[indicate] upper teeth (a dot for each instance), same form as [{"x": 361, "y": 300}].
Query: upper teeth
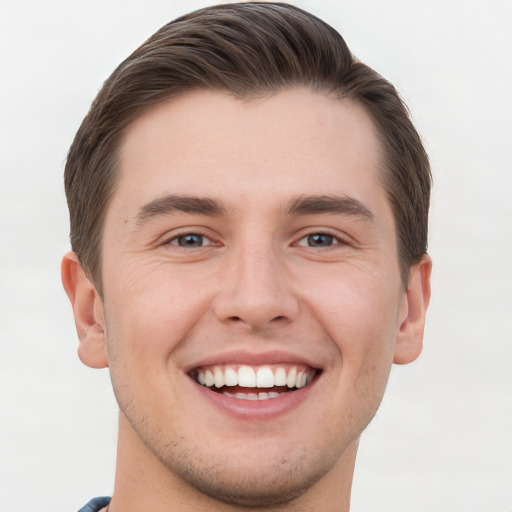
[{"x": 247, "y": 377}]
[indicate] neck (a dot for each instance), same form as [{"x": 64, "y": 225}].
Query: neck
[{"x": 143, "y": 483}]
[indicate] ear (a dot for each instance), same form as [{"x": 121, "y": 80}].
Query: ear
[
  {"x": 88, "y": 311},
  {"x": 409, "y": 342}
]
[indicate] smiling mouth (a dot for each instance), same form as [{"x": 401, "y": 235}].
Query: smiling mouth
[{"x": 246, "y": 382}]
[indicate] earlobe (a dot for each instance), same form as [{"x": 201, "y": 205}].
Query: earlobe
[
  {"x": 410, "y": 335},
  {"x": 87, "y": 310}
]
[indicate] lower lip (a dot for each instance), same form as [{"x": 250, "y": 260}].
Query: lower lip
[{"x": 256, "y": 409}]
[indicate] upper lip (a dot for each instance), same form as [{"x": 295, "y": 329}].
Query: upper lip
[{"x": 253, "y": 359}]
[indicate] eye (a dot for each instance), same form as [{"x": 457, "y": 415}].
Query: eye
[
  {"x": 319, "y": 240},
  {"x": 190, "y": 240}
]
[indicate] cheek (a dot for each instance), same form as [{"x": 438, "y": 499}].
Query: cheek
[
  {"x": 151, "y": 312},
  {"x": 359, "y": 316},
  {"x": 359, "y": 312}
]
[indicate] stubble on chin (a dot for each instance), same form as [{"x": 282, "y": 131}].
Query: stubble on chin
[{"x": 273, "y": 485}]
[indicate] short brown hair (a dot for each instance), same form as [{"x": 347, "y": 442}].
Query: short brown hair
[{"x": 247, "y": 50}]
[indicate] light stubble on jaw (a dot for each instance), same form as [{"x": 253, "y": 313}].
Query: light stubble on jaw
[
  {"x": 292, "y": 478},
  {"x": 254, "y": 492}
]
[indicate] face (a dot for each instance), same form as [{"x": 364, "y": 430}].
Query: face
[{"x": 252, "y": 296}]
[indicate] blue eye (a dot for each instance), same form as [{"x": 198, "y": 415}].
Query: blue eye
[
  {"x": 320, "y": 240},
  {"x": 189, "y": 240}
]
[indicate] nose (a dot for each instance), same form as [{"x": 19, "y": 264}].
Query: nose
[{"x": 257, "y": 289}]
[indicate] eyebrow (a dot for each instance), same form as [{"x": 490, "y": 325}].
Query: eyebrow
[
  {"x": 177, "y": 203},
  {"x": 302, "y": 205},
  {"x": 311, "y": 205}
]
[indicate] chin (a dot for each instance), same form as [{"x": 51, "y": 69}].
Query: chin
[
  {"x": 252, "y": 478},
  {"x": 277, "y": 484}
]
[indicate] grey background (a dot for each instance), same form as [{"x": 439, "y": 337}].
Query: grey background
[{"x": 442, "y": 438}]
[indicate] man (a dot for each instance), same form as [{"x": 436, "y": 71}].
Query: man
[{"x": 248, "y": 212}]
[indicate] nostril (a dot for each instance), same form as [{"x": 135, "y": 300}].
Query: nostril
[{"x": 240, "y": 319}]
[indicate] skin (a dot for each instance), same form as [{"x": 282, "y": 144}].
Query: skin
[{"x": 258, "y": 288}]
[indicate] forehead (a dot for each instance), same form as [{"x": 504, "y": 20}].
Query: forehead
[{"x": 208, "y": 143}]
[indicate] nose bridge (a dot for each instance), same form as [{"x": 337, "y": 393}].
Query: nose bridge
[{"x": 257, "y": 290}]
